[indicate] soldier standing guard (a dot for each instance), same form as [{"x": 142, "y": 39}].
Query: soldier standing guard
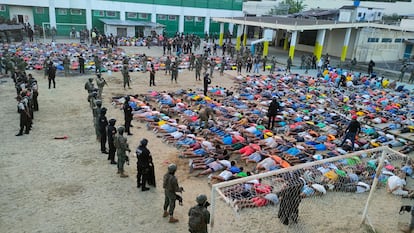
[
  {"x": 24, "y": 116},
  {"x": 96, "y": 112},
  {"x": 100, "y": 82},
  {"x": 122, "y": 147},
  {"x": 97, "y": 64},
  {"x": 127, "y": 116},
  {"x": 125, "y": 75},
  {"x": 103, "y": 123},
  {"x": 111, "y": 133},
  {"x": 170, "y": 185},
  {"x": 66, "y": 63}
]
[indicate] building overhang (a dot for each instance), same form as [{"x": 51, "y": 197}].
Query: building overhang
[{"x": 301, "y": 24}]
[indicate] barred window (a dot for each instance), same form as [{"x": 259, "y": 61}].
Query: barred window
[
  {"x": 162, "y": 17},
  {"x": 373, "y": 40},
  {"x": 111, "y": 13},
  {"x": 143, "y": 16},
  {"x": 62, "y": 12},
  {"x": 132, "y": 15},
  {"x": 99, "y": 13},
  {"x": 189, "y": 18},
  {"x": 199, "y": 19},
  {"x": 40, "y": 10},
  {"x": 172, "y": 17},
  {"x": 75, "y": 11}
]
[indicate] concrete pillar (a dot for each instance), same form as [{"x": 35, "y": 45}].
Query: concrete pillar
[
  {"x": 88, "y": 12},
  {"x": 221, "y": 34},
  {"x": 286, "y": 41},
  {"x": 245, "y": 35},
  {"x": 238, "y": 37},
  {"x": 231, "y": 28},
  {"x": 181, "y": 23},
  {"x": 346, "y": 43},
  {"x": 207, "y": 25},
  {"x": 122, "y": 15},
  {"x": 52, "y": 14},
  {"x": 320, "y": 39},
  {"x": 293, "y": 44},
  {"x": 265, "y": 48},
  {"x": 153, "y": 17},
  {"x": 88, "y": 18}
]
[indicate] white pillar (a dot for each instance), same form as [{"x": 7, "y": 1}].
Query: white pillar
[
  {"x": 238, "y": 37},
  {"x": 293, "y": 44},
  {"x": 88, "y": 18},
  {"x": 207, "y": 24},
  {"x": 320, "y": 39},
  {"x": 88, "y": 15},
  {"x": 122, "y": 14},
  {"x": 181, "y": 23},
  {"x": 52, "y": 13},
  {"x": 231, "y": 28},
  {"x": 154, "y": 17},
  {"x": 346, "y": 43}
]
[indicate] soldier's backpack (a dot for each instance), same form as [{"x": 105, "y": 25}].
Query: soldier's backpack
[{"x": 196, "y": 221}]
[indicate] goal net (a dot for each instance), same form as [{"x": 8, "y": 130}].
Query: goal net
[
  {"x": 340, "y": 194},
  {"x": 63, "y": 30}
]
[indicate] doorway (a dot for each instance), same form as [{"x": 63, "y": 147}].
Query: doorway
[
  {"x": 122, "y": 32},
  {"x": 20, "y": 19}
]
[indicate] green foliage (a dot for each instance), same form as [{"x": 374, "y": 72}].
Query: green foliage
[{"x": 295, "y": 6}]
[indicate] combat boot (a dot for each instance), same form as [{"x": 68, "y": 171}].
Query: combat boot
[
  {"x": 172, "y": 220},
  {"x": 123, "y": 175},
  {"x": 165, "y": 214},
  {"x": 119, "y": 171}
]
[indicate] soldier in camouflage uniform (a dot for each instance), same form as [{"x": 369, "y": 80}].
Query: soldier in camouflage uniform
[{"x": 122, "y": 147}]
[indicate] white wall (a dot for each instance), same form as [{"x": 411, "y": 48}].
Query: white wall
[
  {"x": 389, "y": 7},
  {"x": 27, "y": 13},
  {"x": 130, "y": 7},
  {"x": 380, "y": 51}
]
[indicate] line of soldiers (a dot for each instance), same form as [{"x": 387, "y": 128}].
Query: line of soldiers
[
  {"x": 105, "y": 130},
  {"x": 27, "y": 103}
]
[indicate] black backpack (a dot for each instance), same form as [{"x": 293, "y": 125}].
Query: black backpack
[{"x": 196, "y": 219}]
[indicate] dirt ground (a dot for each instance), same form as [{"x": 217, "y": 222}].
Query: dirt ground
[{"x": 49, "y": 185}]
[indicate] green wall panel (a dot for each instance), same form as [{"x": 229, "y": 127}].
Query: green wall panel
[
  {"x": 138, "y": 18},
  {"x": 97, "y": 23},
  {"x": 71, "y": 19},
  {"x": 194, "y": 27},
  {"x": 212, "y": 4},
  {"x": 171, "y": 26},
  {"x": 40, "y": 18},
  {"x": 6, "y": 13}
]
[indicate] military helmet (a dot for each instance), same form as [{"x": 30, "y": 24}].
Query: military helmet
[
  {"x": 90, "y": 79},
  {"x": 172, "y": 168},
  {"x": 98, "y": 102},
  {"x": 121, "y": 129},
  {"x": 104, "y": 110},
  {"x": 201, "y": 199},
  {"x": 112, "y": 121},
  {"x": 144, "y": 142}
]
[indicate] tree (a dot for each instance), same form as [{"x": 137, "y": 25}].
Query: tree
[
  {"x": 295, "y": 6},
  {"x": 281, "y": 9}
]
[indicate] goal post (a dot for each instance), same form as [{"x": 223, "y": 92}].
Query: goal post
[
  {"x": 62, "y": 29},
  {"x": 343, "y": 207}
]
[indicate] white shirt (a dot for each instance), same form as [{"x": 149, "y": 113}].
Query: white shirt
[{"x": 395, "y": 181}]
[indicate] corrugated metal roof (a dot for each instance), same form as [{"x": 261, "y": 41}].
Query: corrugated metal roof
[{"x": 118, "y": 22}]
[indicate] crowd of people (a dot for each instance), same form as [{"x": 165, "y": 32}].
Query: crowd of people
[{"x": 220, "y": 129}]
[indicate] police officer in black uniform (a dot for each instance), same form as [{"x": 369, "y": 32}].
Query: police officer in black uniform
[
  {"x": 144, "y": 163},
  {"x": 111, "y": 131},
  {"x": 103, "y": 122},
  {"x": 127, "y": 116}
]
